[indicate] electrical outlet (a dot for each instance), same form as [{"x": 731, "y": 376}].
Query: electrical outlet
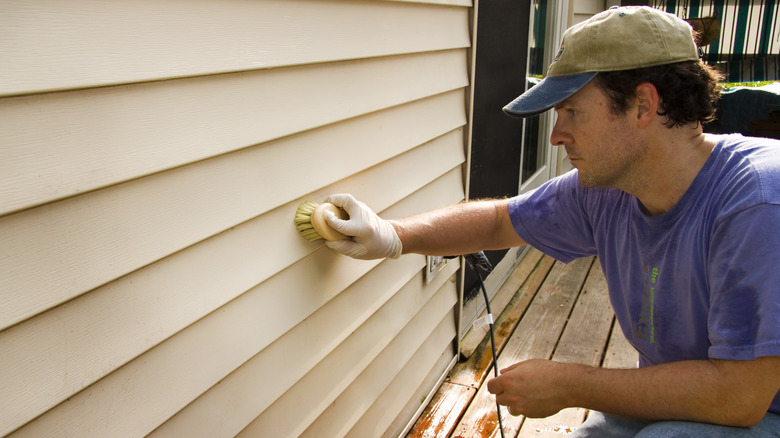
[{"x": 433, "y": 265}]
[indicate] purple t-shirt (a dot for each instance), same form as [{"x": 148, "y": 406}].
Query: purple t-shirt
[{"x": 699, "y": 281}]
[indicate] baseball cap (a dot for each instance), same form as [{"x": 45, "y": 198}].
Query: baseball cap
[{"x": 620, "y": 38}]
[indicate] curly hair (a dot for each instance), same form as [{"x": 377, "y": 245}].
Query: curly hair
[{"x": 689, "y": 90}]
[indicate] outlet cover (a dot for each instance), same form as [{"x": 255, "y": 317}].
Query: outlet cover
[{"x": 433, "y": 265}]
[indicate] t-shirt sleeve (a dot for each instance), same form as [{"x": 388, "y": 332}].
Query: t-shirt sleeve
[
  {"x": 553, "y": 219},
  {"x": 744, "y": 319}
]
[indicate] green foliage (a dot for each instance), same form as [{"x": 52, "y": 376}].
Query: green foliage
[{"x": 727, "y": 86}]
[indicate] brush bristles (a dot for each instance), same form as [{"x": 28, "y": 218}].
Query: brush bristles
[{"x": 303, "y": 220}]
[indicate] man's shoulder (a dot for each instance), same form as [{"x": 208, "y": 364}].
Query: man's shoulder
[
  {"x": 763, "y": 153},
  {"x": 747, "y": 171},
  {"x": 759, "y": 156}
]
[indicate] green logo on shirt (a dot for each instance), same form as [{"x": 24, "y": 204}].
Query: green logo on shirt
[{"x": 645, "y": 326}]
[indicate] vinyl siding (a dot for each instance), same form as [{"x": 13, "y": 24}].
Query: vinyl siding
[{"x": 154, "y": 153}]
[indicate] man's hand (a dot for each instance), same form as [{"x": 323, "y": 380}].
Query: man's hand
[
  {"x": 532, "y": 388},
  {"x": 370, "y": 237}
]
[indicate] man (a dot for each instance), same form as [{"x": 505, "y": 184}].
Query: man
[{"x": 684, "y": 223}]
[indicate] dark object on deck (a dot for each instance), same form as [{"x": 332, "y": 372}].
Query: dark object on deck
[
  {"x": 752, "y": 111},
  {"x": 769, "y": 127}
]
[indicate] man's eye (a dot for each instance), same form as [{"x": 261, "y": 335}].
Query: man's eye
[{"x": 572, "y": 111}]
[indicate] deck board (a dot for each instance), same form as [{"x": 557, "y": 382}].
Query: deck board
[
  {"x": 620, "y": 354},
  {"x": 583, "y": 341},
  {"x": 474, "y": 370},
  {"x": 504, "y": 297},
  {"x": 560, "y": 312}
]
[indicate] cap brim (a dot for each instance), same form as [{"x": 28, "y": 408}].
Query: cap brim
[{"x": 547, "y": 93}]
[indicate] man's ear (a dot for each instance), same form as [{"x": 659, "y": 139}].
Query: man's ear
[{"x": 647, "y": 103}]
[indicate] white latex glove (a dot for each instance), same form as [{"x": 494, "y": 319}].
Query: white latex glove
[{"x": 371, "y": 237}]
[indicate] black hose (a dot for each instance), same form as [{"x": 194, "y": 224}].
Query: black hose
[{"x": 478, "y": 261}]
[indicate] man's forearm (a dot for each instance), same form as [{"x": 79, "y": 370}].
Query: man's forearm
[
  {"x": 458, "y": 229},
  {"x": 736, "y": 393}
]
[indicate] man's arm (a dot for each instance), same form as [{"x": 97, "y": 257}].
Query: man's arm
[
  {"x": 459, "y": 229},
  {"x": 735, "y": 393}
]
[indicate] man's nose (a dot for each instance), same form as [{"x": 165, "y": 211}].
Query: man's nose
[{"x": 558, "y": 137}]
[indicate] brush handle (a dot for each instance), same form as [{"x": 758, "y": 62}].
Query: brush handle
[{"x": 322, "y": 227}]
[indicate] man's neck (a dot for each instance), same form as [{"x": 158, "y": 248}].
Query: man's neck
[{"x": 675, "y": 160}]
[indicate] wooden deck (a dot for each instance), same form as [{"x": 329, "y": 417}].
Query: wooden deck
[{"x": 555, "y": 311}]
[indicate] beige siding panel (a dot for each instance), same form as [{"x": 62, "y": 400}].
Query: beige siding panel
[
  {"x": 420, "y": 342},
  {"x": 51, "y": 357},
  {"x": 590, "y": 7},
  {"x": 372, "y": 344},
  {"x": 58, "y": 145},
  {"x": 439, "y": 2},
  {"x": 153, "y": 155},
  {"x": 63, "y": 249},
  {"x": 584, "y": 9},
  {"x": 54, "y": 45},
  {"x": 396, "y": 392},
  {"x": 136, "y": 398},
  {"x": 130, "y": 402},
  {"x": 238, "y": 398},
  {"x": 408, "y": 414}
]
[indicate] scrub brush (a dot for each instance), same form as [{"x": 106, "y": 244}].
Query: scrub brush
[{"x": 310, "y": 221}]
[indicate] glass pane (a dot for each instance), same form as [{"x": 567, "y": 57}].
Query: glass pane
[{"x": 534, "y": 144}]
